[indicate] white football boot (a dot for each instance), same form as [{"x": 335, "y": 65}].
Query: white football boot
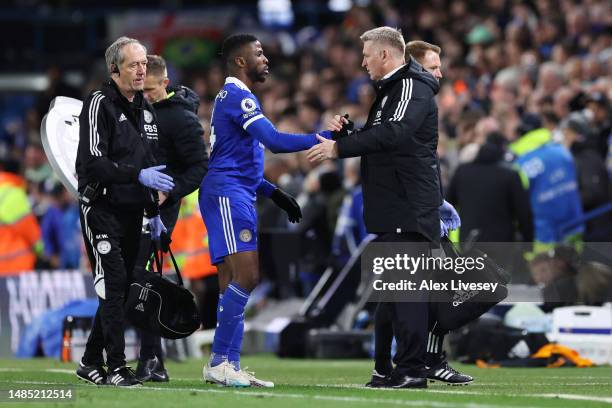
[
  {"x": 224, "y": 374},
  {"x": 254, "y": 381}
]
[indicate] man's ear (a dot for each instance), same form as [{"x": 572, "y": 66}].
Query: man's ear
[
  {"x": 384, "y": 54},
  {"x": 165, "y": 82},
  {"x": 240, "y": 62}
]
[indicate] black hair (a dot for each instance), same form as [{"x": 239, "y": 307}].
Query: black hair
[{"x": 233, "y": 43}]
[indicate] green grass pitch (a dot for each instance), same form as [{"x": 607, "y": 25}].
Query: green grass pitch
[{"x": 319, "y": 384}]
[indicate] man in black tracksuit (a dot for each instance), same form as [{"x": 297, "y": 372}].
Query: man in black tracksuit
[
  {"x": 400, "y": 179},
  {"x": 181, "y": 147},
  {"x": 116, "y": 175}
]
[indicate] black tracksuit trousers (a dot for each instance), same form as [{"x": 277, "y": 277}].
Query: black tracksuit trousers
[
  {"x": 112, "y": 237},
  {"x": 408, "y": 321}
]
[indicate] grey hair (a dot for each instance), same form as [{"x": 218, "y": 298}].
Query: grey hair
[
  {"x": 113, "y": 54},
  {"x": 386, "y": 35}
]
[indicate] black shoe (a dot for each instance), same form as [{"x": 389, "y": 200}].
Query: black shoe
[
  {"x": 93, "y": 374},
  {"x": 152, "y": 369},
  {"x": 123, "y": 377},
  {"x": 377, "y": 381},
  {"x": 405, "y": 381},
  {"x": 445, "y": 373}
]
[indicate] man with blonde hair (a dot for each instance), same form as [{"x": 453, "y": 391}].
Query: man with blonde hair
[
  {"x": 426, "y": 54},
  {"x": 401, "y": 185}
]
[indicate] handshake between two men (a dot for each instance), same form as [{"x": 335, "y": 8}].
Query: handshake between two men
[{"x": 327, "y": 149}]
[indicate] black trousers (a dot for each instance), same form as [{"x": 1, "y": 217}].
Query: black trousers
[
  {"x": 408, "y": 321},
  {"x": 150, "y": 344},
  {"x": 383, "y": 335},
  {"x": 111, "y": 238}
]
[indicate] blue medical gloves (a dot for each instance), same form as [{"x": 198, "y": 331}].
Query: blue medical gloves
[
  {"x": 443, "y": 229},
  {"x": 152, "y": 177},
  {"x": 157, "y": 227},
  {"x": 449, "y": 216}
]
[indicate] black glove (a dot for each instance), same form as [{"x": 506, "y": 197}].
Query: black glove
[
  {"x": 287, "y": 203},
  {"x": 347, "y": 128}
]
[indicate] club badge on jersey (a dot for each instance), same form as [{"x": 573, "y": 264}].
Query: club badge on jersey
[{"x": 150, "y": 128}]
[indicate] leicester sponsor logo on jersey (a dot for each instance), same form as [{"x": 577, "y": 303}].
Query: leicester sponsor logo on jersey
[{"x": 248, "y": 105}]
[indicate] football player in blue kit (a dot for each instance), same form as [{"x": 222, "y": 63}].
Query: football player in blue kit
[{"x": 239, "y": 134}]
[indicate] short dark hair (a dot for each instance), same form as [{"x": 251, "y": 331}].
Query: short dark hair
[
  {"x": 417, "y": 49},
  {"x": 233, "y": 43},
  {"x": 156, "y": 65}
]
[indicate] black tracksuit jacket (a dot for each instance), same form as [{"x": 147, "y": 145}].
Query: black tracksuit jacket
[
  {"x": 117, "y": 139},
  {"x": 181, "y": 142},
  {"x": 399, "y": 164}
]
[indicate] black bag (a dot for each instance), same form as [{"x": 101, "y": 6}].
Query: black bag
[
  {"x": 489, "y": 340},
  {"x": 457, "y": 307},
  {"x": 159, "y": 306}
]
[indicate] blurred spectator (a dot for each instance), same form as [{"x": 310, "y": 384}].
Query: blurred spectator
[
  {"x": 57, "y": 86},
  {"x": 19, "y": 230},
  {"x": 350, "y": 228},
  {"x": 496, "y": 207},
  {"x": 61, "y": 229},
  {"x": 598, "y": 109},
  {"x": 553, "y": 186},
  {"x": 592, "y": 175},
  {"x": 320, "y": 204},
  {"x": 566, "y": 279}
]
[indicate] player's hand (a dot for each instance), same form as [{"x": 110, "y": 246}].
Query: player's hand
[
  {"x": 152, "y": 177},
  {"x": 326, "y": 149},
  {"x": 449, "y": 215},
  {"x": 443, "y": 229},
  {"x": 287, "y": 203},
  {"x": 157, "y": 227},
  {"x": 335, "y": 124}
]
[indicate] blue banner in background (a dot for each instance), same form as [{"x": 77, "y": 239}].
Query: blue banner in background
[{"x": 26, "y": 296}]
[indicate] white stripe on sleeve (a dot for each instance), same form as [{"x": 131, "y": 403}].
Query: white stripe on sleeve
[
  {"x": 94, "y": 137},
  {"x": 253, "y": 119},
  {"x": 400, "y": 110}
]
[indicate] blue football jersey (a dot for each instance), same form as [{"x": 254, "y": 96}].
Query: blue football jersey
[{"x": 236, "y": 161}]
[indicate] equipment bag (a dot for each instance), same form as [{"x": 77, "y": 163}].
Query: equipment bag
[
  {"x": 160, "y": 306},
  {"x": 456, "y": 307}
]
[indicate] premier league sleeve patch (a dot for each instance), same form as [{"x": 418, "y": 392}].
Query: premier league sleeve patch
[{"x": 248, "y": 105}]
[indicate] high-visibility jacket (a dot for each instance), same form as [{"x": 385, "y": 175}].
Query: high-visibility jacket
[
  {"x": 190, "y": 240},
  {"x": 19, "y": 229},
  {"x": 553, "y": 185}
]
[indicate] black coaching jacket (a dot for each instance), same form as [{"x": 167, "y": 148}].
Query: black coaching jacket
[
  {"x": 117, "y": 139},
  {"x": 181, "y": 141},
  {"x": 399, "y": 165}
]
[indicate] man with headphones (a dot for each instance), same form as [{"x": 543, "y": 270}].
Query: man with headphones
[{"x": 118, "y": 183}]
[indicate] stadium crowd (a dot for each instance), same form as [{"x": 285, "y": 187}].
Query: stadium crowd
[{"x": 509, "y": 68}]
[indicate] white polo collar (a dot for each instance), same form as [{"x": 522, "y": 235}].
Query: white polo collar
[
  {"x": 237, "y": 82},
  {"x": 393, "y": 72}
]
